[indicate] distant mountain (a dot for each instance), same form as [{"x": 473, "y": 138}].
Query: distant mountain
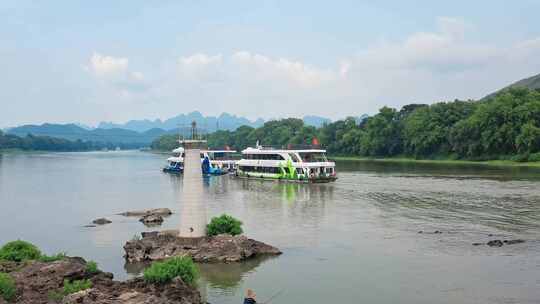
[
  {"x": 531, "y": 83},
  {"x": 208, "y": 123},
  {"x": 74, "y": 132},
  {"x": 361, "y": 118},
  {"x": 316, "y": 121}
]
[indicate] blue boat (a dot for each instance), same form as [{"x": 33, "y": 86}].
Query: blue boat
[{"x": 213, "y": 162}]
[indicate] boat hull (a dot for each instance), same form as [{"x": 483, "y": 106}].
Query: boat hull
[{"x": 320, "y": 180}]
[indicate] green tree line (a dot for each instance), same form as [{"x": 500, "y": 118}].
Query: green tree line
[
  {"x": 46, "y": 143},
  {"x": 505, "y": 126}
]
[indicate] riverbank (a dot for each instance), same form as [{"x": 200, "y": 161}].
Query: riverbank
[{"x": 404, "y": 160}]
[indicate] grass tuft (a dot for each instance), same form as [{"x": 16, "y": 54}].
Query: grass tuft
[
  {"x": 75, "y": 286},
  {"x": 7, "y": 287},
  {"x": 92, "y": 267},
  {"x": 166, "y": 271},
  {"x": 53, "y": 258}
]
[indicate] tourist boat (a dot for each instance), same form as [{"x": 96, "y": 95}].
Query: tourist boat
[
  {"x": 308, "y": 165},
  {"x": 213, "y": 161}
]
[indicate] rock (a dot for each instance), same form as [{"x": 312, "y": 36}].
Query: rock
[
  {"x": 511, "y": 242},
  {"x": 37, "y": 280},
  {"x": 151, "y": 219},
  {"x": 9, "y": 266},
  {"x": 477, "y": 244},
  {"x": 495, "y": 243},
  {"x": 90, "y": 226},
  {"x": 434, "y": 232},
  {"x": 221, "y": 248},
  {"x": 157, "y": 211},
  {"x": 101, "y": 221}
]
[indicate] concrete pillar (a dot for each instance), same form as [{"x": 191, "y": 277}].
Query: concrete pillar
[{"x": 193, "y": 210}]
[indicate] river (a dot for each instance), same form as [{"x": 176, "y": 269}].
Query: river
[{"x": 353, "y": 241}]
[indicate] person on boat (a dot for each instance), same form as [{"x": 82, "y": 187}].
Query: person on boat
[{"x": 250, "y": 297}]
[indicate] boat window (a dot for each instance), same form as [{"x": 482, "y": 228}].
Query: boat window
[
  {"x": 265, "y": 156},
  {"x": 294, "y": 157},
  {"x": 313, "y": 157},
  {"x": 183, "y": 155},
  {"x": 299, "y": 171}
]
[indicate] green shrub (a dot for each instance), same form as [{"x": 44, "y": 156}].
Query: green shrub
[
  {"x": 520, "y": 158},
  {"x": 224, "y": 224},
  {"x": 7, "y": 287},
  {"x": 18, "y": 251},
  {"x": 75, "y": 286},
  {"x": 91, "y": 267},
  {"x": 55, "y": 296},
  {"x": 164, "y": 272},
  {"x": 52, "y": 258},
  {"x": 534, "y": 157}
]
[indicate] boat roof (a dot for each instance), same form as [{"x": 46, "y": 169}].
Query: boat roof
[
  {"x": 181, "y": 149},
  {"x": 219, "y": 151},
  {"x": 271, "y": 151}
]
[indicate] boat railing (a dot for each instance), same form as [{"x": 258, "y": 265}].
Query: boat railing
[{"x": 291, "y": 147}]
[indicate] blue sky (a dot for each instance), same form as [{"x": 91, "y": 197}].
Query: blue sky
[{"x": 91, "y": 61}]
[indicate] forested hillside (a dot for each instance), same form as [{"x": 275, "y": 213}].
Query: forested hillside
[
  {"x": 505, "y": 126},
  {"x": 46, "y": 143}
]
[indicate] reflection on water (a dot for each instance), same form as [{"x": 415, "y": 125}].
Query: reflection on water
[
  {"x": 440, "y": 170},
  {"x": 216, "y": 279},
  {"x": 355, "y": 240}
]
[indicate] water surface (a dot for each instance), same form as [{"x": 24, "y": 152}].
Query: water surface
[{"x": 353, "y": 241}]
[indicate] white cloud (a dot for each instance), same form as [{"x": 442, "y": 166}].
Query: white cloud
[
  {"x": 297, "y": 72},
  {"x": 427, "y": 66},
  {"x": 199, "y": 60},
  {"x": 114, "y": 72},
  {"x": 102, "y": 65}
]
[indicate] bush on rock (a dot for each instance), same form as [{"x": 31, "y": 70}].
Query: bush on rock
[
  {"x": 224, "y": 224},
  {"x": 19, "y": 251},
  {"x": 166, "y": 271}
]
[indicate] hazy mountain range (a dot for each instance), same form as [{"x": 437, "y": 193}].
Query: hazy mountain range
[
  {"x": 143, "y": 132},
  {"x": 531, "y": 83},
  {"x": 225, "y": 121}
]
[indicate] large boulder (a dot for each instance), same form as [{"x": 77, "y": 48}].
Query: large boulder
[{"x": 221, "y": 248}]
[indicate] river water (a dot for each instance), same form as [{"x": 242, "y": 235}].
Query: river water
[{"x": 353, "y": 241}]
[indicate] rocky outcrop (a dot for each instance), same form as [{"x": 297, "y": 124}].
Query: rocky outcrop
[
  {"x": 36, "y": 281},
  {"x": 499, "y": 243},
  {"x": 101, "y": 221},
  {"x": 151, "y": 220},
  {"x": 221, "y": 248},
  {"x": 157, "y": 211}
]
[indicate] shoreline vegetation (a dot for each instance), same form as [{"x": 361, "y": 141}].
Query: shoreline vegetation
[
  {"x": 406, "y": 160},
  {"x": 499, "y": 130},
  {"x": 502, "y": 130}
]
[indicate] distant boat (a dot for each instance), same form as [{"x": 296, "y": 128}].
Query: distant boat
[
  {"x": 214, "y": 162},
  {"x": 308, "y": 165}
]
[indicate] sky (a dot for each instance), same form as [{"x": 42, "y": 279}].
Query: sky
[{"x": 92, "y": 61}]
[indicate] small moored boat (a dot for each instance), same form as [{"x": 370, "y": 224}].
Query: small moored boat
[{"x": 213, "y": 161}]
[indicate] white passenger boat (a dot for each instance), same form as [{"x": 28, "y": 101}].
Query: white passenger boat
[
  {"x": 300, "y": 165},
  {"x": 219, "y": 161}
]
